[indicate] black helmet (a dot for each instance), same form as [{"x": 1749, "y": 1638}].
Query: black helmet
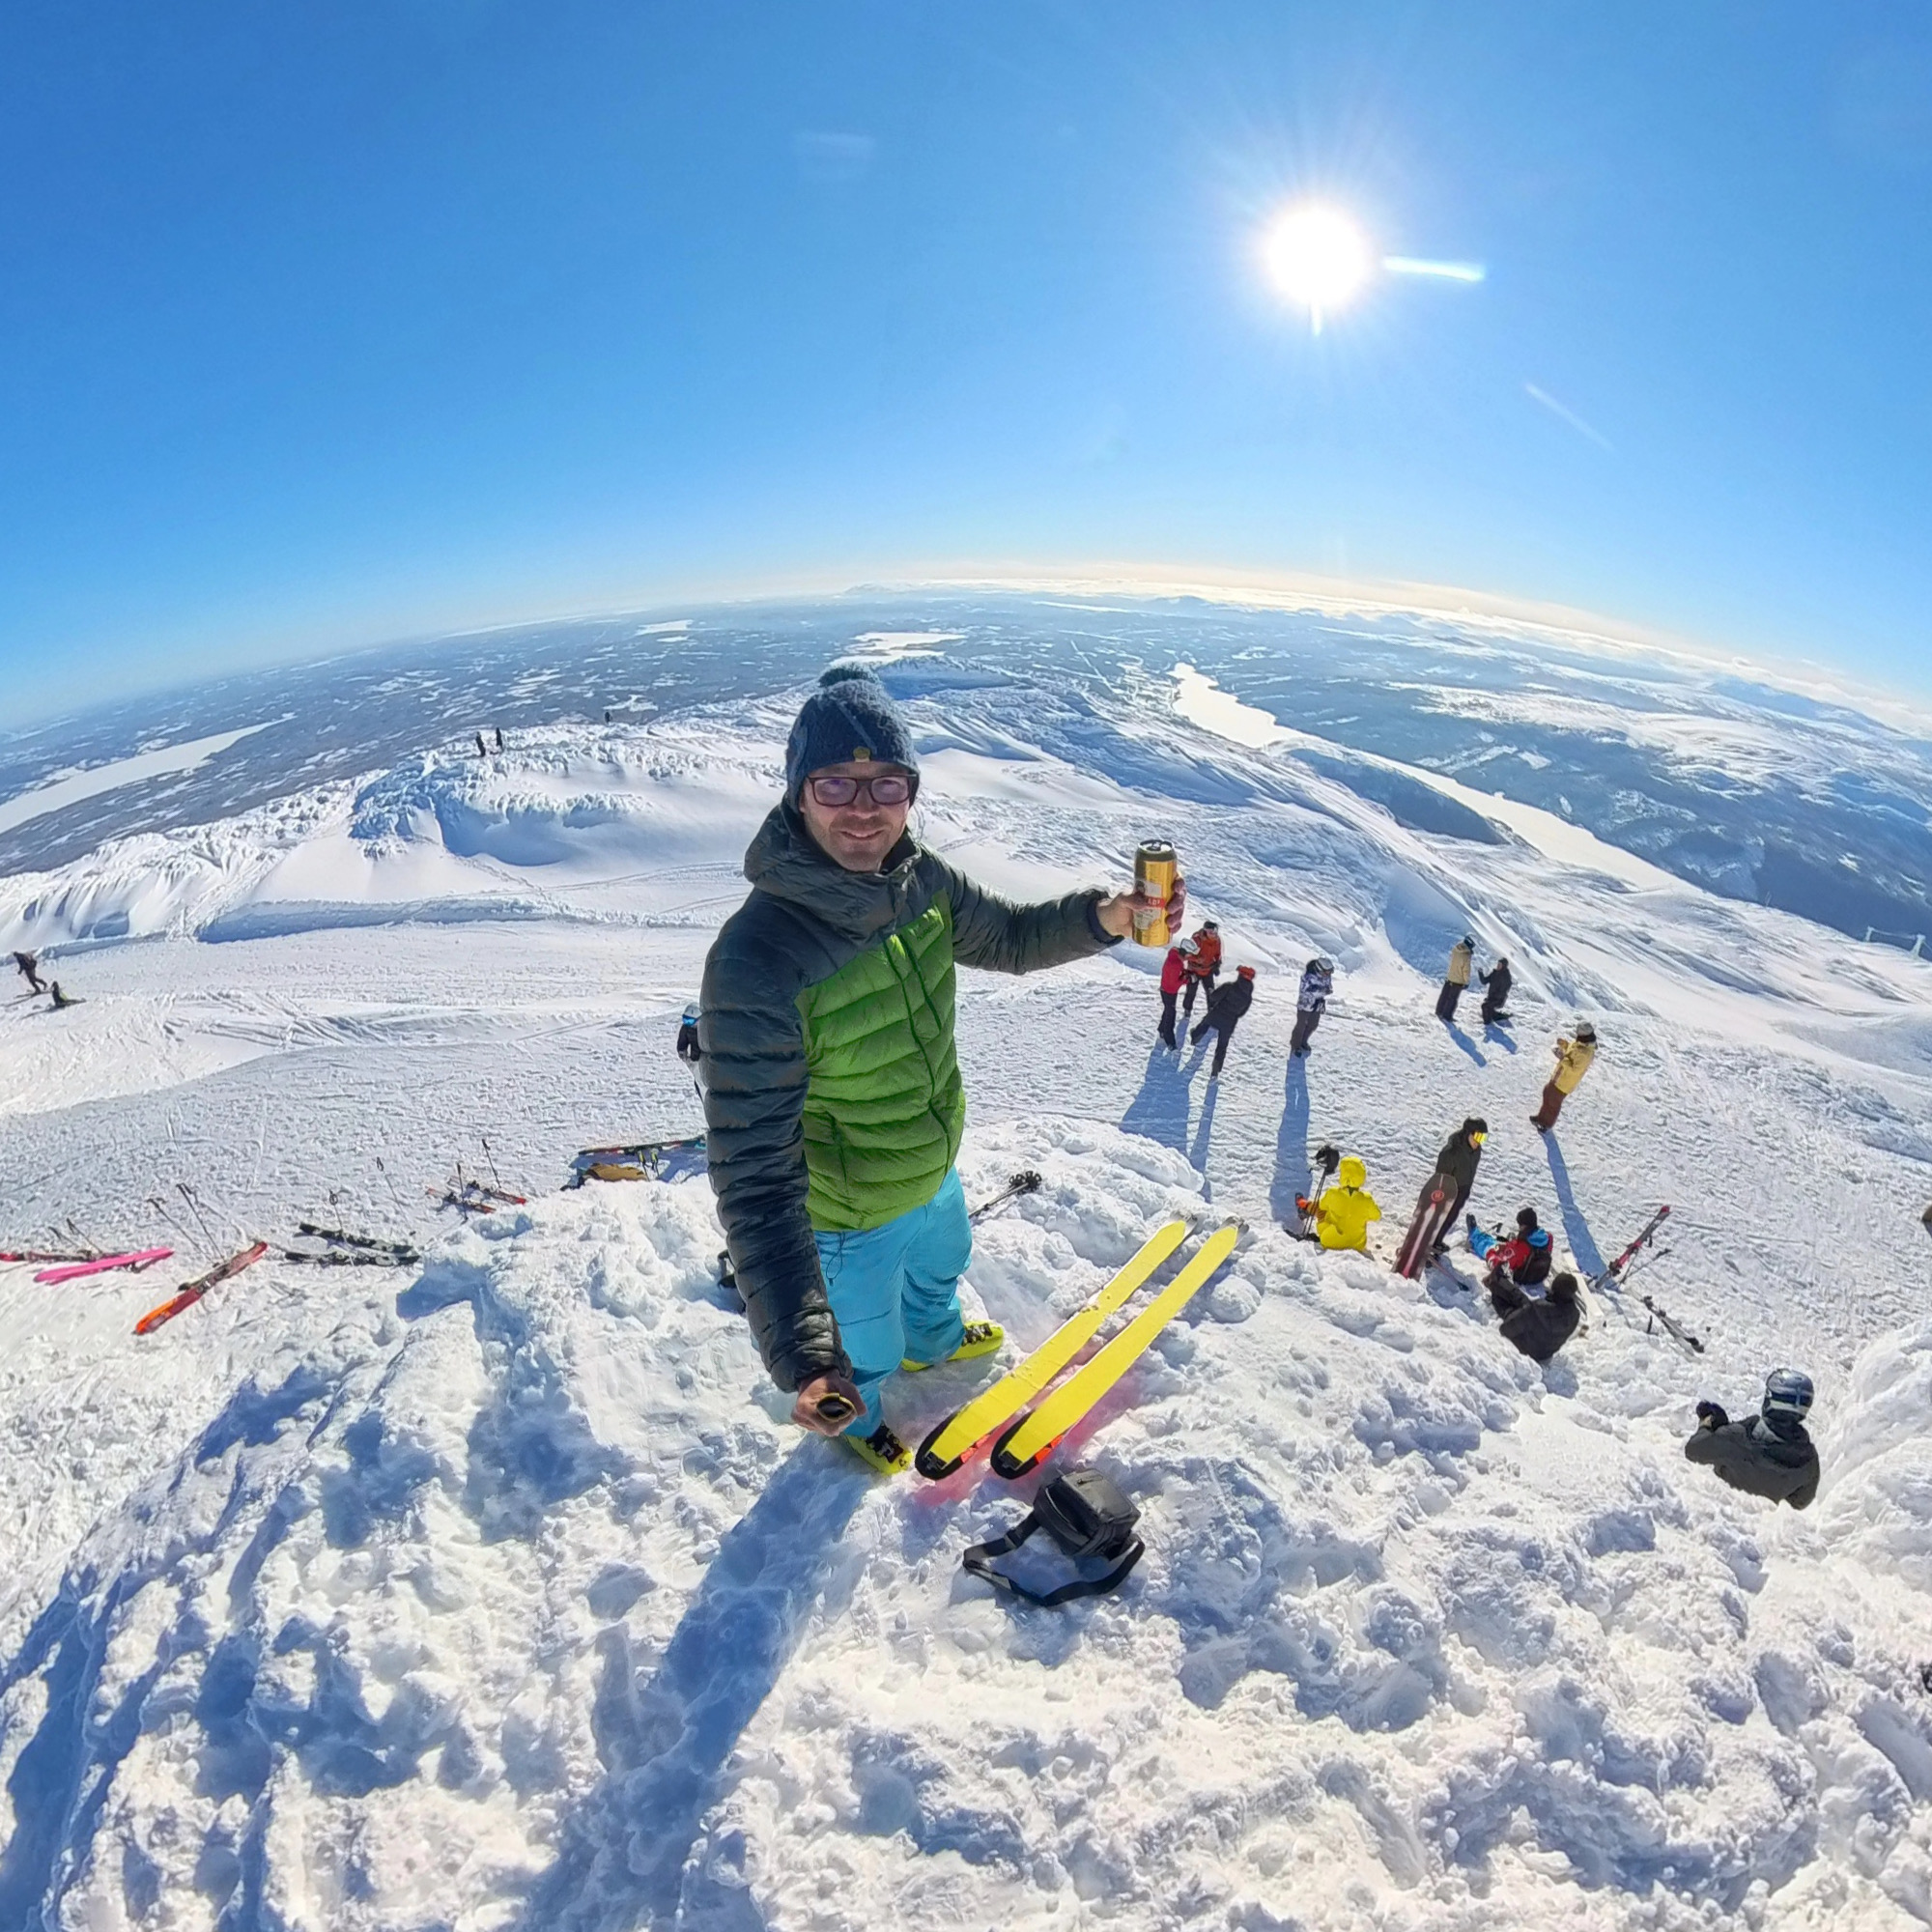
[{"x": 1526, "y": 1220}]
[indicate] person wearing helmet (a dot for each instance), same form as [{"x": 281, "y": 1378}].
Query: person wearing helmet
[
  {"x": 1537, "y": 1325},
  {"x": 1769, "y": 1454},
  {"x": 1573, "y": 1054},
  {"x": 1318, "y": 982},
  {"x": 1225, "y": 1005},
  {"x": 688, "y": 1049},
  {"x": 1203, "y": 965},
  {"x": 1462, "y": 957},
  {"x": 1523, "y": 1259},
  {"x": 1172, "y": 971},
  {"x": 1343, "y": 1216},
  {"x": 1496, "y": 985}
]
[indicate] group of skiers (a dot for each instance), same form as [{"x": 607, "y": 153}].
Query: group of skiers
[
  {"x": 29, "y": 965},
  {"x": 835, "y": 1108}
]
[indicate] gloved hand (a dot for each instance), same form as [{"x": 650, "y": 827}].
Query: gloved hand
[{"x": 1711, "y": 1415}]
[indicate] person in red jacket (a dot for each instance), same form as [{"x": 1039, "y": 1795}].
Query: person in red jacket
[
  {"x": 1172, "y": 971},
  {"x": 1203, "y": 966}
]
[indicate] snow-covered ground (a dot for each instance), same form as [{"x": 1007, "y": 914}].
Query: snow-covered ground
[{"x": 498, "y": 1592}]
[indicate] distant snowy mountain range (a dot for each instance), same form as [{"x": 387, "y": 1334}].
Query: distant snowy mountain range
[{"x": 1729, "y": 781}]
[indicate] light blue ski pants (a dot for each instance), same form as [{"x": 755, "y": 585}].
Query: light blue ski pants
[{"x": 895, "y": 1292}]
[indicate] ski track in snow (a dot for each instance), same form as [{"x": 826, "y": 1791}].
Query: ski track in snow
[{"x": 498, "y": 1592}]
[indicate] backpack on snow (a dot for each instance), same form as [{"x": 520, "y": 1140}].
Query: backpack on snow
[{"x": 1086, "y": 1514}]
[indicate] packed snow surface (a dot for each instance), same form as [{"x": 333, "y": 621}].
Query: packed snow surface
[{"x": 498, "y": 1592}]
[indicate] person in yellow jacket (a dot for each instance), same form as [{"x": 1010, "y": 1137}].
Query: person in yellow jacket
[
  {"x": 1342, "y": 1220},
  {"x": 1573, "y": 1061},
  {"x": 1456, "y": 982}
]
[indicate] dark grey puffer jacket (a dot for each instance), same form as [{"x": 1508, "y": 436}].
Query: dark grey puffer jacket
[
  {"x": 807, "y": 919},
  {"x": 1753, "y": 1456}
]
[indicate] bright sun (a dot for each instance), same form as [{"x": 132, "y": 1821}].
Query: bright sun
[{"x": 1318, "y": 258}]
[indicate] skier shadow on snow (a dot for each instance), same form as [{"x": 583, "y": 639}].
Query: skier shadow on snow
[
  {"x": 1159, "y": 1110},
  {"x": 1292, "y": 1175},
  {"x": 1583, "y": 1248},
  {"x": 1494, "y": 1036},
  {"x": 665, "y": 1742},
  {"x": 1464, "y": 1041},
  {"x": 1198, "y": 1152}
]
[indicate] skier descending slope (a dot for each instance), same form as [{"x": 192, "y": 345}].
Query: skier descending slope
[
  {"x": 1318, "y": 982},
  {"x": 1770, "y": 1454},
  {"x": 832, "y": 1099}
]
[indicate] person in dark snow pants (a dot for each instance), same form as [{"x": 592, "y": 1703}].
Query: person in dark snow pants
[
  {"x": 1496, "y": 985},
  {"x": 1172, "y": 973},
  {"x": 1769, "y": 1454},
  {"x": 1226, "y": 1004},
  {"x": 1318, "y": 982},
  {"x": 1456, "y": 982},
  {"x": 1538, "y": 1326}
]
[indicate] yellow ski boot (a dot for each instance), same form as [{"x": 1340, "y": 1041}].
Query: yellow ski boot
[
  {"x": 981, "y": 1338},
  {"x": 882, "y": 1449}
]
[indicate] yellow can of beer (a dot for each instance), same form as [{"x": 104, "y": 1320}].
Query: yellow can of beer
[{"x": 1155, "y": 868}]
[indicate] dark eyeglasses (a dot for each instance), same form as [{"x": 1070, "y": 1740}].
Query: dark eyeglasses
[{"x": 888, "y": 788}]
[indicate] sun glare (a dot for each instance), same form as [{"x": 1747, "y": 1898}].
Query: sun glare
[{"x": 1318, "y": 258}]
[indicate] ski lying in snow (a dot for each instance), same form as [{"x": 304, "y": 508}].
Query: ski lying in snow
[
  {"x": 341, "y": 1238},
  {"x": 191, "y": 1292},
  {"x": 133, "y": 1261},
  {"x": 39, "y": 1255},
  {"x": 1054, "y": 1414},
  {"x": 348, "y": 1258},
  {"x": 641, "y": 1160},
  {"x": 1643, "y": 1239},
  {"x": 471, "y": 1196},
  {"x": 1677, "y": 1333},
  {"x": 1026, "y": 1182},
  {"x": 949, "y": 1445}
]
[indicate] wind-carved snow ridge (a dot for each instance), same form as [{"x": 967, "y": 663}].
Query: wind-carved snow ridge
[{"x": 505, "y": 1604}]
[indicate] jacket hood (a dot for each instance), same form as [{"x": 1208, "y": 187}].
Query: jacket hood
[
  {"x": 1351, "y": 1172},
  {"x": 1539, "y": 1237},
  {"x": 784, "y": 860}
]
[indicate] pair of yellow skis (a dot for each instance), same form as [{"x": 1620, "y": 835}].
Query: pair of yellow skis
[{"x": 1026, "y": 1440}]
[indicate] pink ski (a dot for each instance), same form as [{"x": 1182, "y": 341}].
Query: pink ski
[{"x": 135, "y": 1262}]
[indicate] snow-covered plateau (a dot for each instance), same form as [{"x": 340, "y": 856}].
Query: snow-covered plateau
[{"x": 498, "y": 1592}]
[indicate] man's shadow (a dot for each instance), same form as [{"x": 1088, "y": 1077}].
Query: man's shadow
[
  {"x": 1198, "y": 1152},
  {"x": 1159, "y": 1110},
  {"x": 1292, "y": 1175},
  {"x": 665, "y": 1742},
  {"x": 1467, "y": 1044},
  {"x": 1495, "y": 1034},
  {"x": 1576, "y": 1230}
]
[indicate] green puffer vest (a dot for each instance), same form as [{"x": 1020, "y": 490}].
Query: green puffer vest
[{"x": 885, "y": 1108}]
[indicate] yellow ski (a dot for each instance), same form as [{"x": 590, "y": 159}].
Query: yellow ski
[
  {"x": 1042, "y": 1426},
  {"x": 953, "y": 1440}
]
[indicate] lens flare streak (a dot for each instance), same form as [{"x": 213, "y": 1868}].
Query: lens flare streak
[{"x": 1442, "y": 272}]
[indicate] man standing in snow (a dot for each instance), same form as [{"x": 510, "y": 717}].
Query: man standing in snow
[
  {"x": 1318, "y": 982},
  {"x": 1202, "y": 965},
  {"x": 1496, "y": 985},
  {"x": 1226, "y": 1004},
  {"x": 1770, "y": 1454},
  {"x": 832, "y": 1100},
  {"x": 30, "y": 971},
  {"x": 1173, "y": 971},
  {"x": 1573, "y": 1061},
  {"x": 1461, "y": 957}
]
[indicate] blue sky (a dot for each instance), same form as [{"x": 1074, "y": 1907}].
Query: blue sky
[{"x": 325, "y": 324}]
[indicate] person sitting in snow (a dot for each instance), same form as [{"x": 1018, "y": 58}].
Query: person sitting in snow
[
  {"x": 1537, "y": 1325},
  {"x": 60, "y": 999},
  {"x": 1343, "y": 1214},
  {"x": 1172, "y": 971},
  {"x": 1318, "y": 982},
  {"x": 1496, "y": 985},
  {"x": 1203, "y": 966},
  {"x": 1523, "y": 1259},
  {"x": 833, "y": 1101},
  {"x": 1769, "y": 1454},
  {"x": 1226, "y": 1006}
]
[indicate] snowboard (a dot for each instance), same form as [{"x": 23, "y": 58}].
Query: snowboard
[{"x": 1430, "y": 1224}]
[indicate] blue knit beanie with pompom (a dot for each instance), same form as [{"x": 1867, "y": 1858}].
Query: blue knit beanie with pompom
[{"x": 849, "y": 719}]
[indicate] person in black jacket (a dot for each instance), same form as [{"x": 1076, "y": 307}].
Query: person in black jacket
[
  {"x": 1538, "y": 1326},
  {"x": 1496, "y": 983},
  {"x": 30, "y": 971},
  {"x": 1769, "y": 1454},
  {"x": 1225, "y": 1005}
]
